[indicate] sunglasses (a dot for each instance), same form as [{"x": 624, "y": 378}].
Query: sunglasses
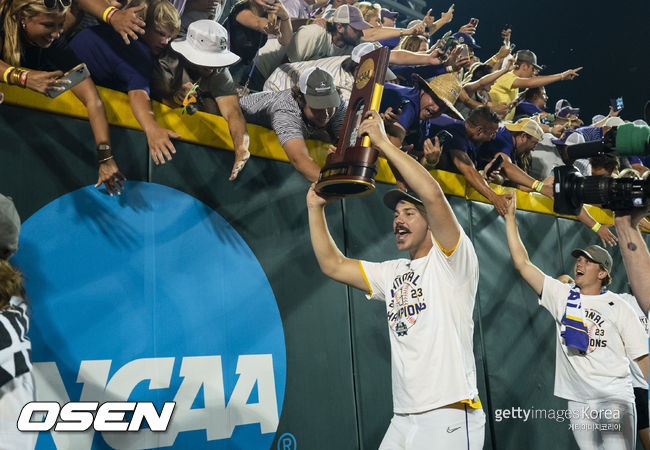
[{"x": 52, "y": 4}]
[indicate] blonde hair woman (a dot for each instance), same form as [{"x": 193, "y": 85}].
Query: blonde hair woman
[
  {"x": 31, "y": 38},
  {"x": 371, "y": 12}
]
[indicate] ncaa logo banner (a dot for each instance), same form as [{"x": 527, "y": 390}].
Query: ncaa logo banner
[{"x": 153, "y": 305}]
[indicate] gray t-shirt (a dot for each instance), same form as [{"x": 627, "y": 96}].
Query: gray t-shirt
[
  {"x": 281, "y": 113},
  {"x": 170, "y": 74},
  {"x": 314, "y": 42}
]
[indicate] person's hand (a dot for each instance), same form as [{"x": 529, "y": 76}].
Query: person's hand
[
  {"x": 428, "y": 20},
  {"x": 128, "y": 24},
  {"x": 272, "y": 27},
  {"x": 570, "y": 74},
  {"x": 606, "y": 236},
  {"x": 390, "y": 115},
  {"x": 502, "y": 203},
  {"x": 160, "y": 145},
  {"x": 511, "y": 204},
  {"x": 111, "y": 176},
  {"x": 241, "y": 156},
  {"x": 432, "y": 152},
  {"x": 417, "y": 30},
  {"x": 456, "y": 61},
  {"x": 315, "y": 200},
  {"x": 501, "y": 108},
  {"x": 435, "y": 57},
  {"x": 510, "y": 64},
  {"x": 503, "y": 52},
  {"x": 279, "y": 11},
  {"x": 181, "y": 93},
  {"x": 557, "y": 130},
  {"x": 468, "y": 28},
  {"x": 373, "y": 127},
  {"x": 446, "y": 17},
  {"x": 613, "y": 112},
  {"x": 43, "y": 82}
]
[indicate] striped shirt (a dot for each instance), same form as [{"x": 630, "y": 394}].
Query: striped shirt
[
  {"x": 281, "y": 113},
  {"x": 286, "y": 76}
]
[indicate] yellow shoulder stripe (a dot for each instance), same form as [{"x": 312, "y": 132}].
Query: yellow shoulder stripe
[{"x": 365, "y": 278}]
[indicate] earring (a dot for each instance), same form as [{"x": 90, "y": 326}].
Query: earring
[{"x": 23, "y": 25}]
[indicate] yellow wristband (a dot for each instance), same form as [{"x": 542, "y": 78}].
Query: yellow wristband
[
  {"x": 6, "y": 74},
  {"x": 534, "y": 185},
  {"x": 106, "y": 11},
  {"x": 596, "y": 227},
  {"x": 494, "y": 59}
]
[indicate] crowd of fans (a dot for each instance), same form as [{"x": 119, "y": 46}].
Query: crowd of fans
[
  {"x": 289, "y": 66},
  {"x": 258, "y": 66}
]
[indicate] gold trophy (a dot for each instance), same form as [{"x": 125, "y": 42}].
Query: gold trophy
[{"x": 352, "y": 168}]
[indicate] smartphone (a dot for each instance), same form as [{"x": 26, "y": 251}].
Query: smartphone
[
  {"x": 473, "y": 21},
  {"x": 496, "y": 165},
  {"x": 616, "y": 103},
  {"x": 76, "y": 75},
  {"x": 398, "y": 108},
  {"x": 512, "y": 46},
  {"x": 464, "y": 51},
  {"x": 443, "y": 137}
]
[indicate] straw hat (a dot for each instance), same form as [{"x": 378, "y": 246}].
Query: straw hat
[{"x": 445, "y": 88}]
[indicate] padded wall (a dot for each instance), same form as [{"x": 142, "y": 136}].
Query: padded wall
[{"x": 337, "y": 379}]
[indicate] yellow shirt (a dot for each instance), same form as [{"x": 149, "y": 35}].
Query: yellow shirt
[{"x": 503, "y": 92}]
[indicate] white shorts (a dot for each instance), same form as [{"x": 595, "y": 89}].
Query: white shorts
[
  {"x": 442, "y": 428},
  {"x": 598, "y": 425}
]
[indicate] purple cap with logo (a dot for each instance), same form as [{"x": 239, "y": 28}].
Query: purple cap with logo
[
  {"x": 464, "y": 38},
  {"x": 566, "y": 110}
]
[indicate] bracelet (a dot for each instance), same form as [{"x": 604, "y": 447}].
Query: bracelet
[
  {"x": 106, "y": 12},
  {"x": 23, "y": 79},
  {"x": 105, "y": 159},
  {"x": 4, "y": 76},
  {"x": 14, "y": 76},
  {"x": 309, "y": 21},
  {"x": 104, "y": 152},
  {"x": 596, "y": 227},
  {"x": 539, "y": 186},
  {"x": 449, "y": 69},
  {"x": 494, "y": 59},
  {"x": 534, "y": 185},
  {"x": 110, "y": 15}
]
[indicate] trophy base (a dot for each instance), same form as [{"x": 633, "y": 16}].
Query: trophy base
[{"x": 346, "y": 179}]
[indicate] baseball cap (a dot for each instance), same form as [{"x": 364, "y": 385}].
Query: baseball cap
[
  {"x": 528, "y": 57},
  {"x": 528, "y": 126},
  {"x": 388, "y": 14},
  {"x": 597, "y": 118},
  {"x": 351, "y": 15},
  {"x": 566, "y": 110},
  {"x": 445, "y": 88},
  {"x": 9, "y": 227},
  {"x": 614, "y": 122},
  {"x": 206, "y": 44},
  {"x": 597, "y": 254},
  {"x": 464, "y": 38},
  {"x": 318, "y": 87},
  {"x": 394, "y": 196},
  {"x": 569, "y": 138},
  {"x": 561, "y": 103},
  {"x": 363, "y": 49},
  {"x": 640, "y": 122}
]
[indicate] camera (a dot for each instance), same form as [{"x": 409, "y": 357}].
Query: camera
[{"x": 571, "y": 190}]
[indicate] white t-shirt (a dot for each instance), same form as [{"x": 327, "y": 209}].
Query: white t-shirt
[
  {"x": 429, "y": 305},
  {"x": 615, "y": 337},
  {"x": 638, "y": 380}
]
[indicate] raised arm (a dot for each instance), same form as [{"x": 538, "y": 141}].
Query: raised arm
[
  {"x": 330, "y": 259},
  {"x": 525, "y": 83},
  {"x": 636, "y": 258},
  {"x": 530, "y": 273},
  {"x": 231, "y": 111},
  {"x": 126, "y": 22},
  {"x": 441, "y": 219}
]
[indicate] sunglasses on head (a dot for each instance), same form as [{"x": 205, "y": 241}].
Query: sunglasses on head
[{"x": 52, "y": 4}]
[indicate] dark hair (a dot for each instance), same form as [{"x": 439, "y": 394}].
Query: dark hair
[
  {"x": 482, "y": 115},
  {"x": 330, "y": 27},
  {"x": 298, "y": 96},
  {"x": 349, "y": 66},
  {"x": 607, "y": 162},
  {"x": 480, "y": 71},
  {"x": 531, "y": 94}
]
